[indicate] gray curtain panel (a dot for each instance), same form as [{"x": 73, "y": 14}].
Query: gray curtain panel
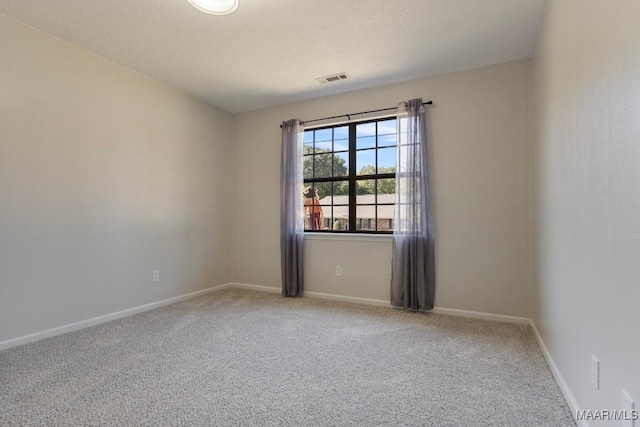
[
  {"x": 413, "y": 265},
  {"x": 291, "y": 209}
]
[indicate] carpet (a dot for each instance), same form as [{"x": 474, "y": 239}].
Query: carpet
[{"x": 245, "y": 358}]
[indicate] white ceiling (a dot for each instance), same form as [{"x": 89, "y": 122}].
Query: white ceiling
[{"x": 269, "y": 52}]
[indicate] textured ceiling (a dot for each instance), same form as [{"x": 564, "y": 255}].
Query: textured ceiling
[{"x": 269, "y": 52}]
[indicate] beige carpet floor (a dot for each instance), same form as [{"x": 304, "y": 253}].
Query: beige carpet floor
[{"x": 244, "y": 358}]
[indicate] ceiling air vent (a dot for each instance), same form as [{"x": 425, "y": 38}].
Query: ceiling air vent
[{"x": 332, "y": 78}]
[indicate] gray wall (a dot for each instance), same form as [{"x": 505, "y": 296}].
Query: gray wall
[
  {"x": 586, "y": 196},
  {"x": 105, "y": 175},
  {"x": 478, "y": 130}
]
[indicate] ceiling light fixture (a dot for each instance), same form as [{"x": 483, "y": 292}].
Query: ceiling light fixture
[{"x": 215, "y": 7}]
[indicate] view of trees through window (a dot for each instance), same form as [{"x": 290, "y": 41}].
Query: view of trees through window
[{"x": 349, "y": 174}]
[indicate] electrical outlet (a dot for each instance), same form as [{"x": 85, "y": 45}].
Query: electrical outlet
[
  {"x": 156, "y": 275},
  {"x": 595, "y": 372},
  {"x": 629, "y": 413},
  {"x": 339, "y": 270}
]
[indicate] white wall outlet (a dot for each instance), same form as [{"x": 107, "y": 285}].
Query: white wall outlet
[
  {"x": 628, "y": 409},
  {"x": 595, "y": 372},
  {"x": 156, "y": 275},
  {"x": 339, "y": 270}
]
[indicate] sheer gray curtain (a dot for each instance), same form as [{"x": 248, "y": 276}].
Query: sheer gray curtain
[
  {"x": 291, "y": 209},
  {"x": 413, "y": 265}
]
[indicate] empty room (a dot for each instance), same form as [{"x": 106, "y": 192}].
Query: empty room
[{"x": 319, "y": 213}]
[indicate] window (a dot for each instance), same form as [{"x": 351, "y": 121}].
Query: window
[{"x": 349, "y": 177}]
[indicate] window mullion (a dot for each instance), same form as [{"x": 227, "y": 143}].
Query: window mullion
[
  {"x": 352, "y": 177},
  {"x": 375, "y": 185},
  {"x": 313, "y": 156}
]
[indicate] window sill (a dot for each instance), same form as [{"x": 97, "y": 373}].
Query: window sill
[{"x": 352, "y": 237}]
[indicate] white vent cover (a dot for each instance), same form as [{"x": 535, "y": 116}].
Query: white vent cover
[{"x": 332, "y": 78}]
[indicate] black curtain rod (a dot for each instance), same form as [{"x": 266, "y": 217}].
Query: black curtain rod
[{"x": 357, "y": 114}]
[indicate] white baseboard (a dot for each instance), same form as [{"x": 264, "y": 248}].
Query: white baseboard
[
  {"x": 319, "y": 295},
  {"x": 334, "y": 297},
  {"x": 357, "y": 300},
  {"x": 270, "y": 289},
  {"x": 383, "y": 303},
  {"x": 14, "y": 342},
  {"x": 566, "y": 391},
  {"x": 481, "y": 315}
]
